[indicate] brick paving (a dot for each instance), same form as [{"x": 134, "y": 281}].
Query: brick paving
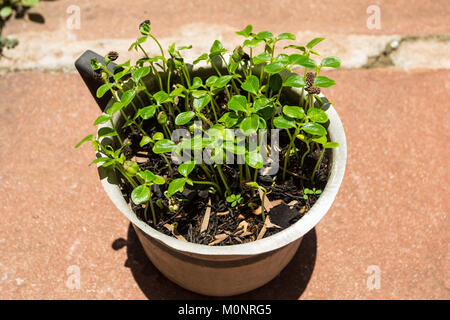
[{"x": 391, "y": 211}]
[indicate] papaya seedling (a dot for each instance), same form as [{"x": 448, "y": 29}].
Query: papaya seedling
[{"x": 242, "y": 99}]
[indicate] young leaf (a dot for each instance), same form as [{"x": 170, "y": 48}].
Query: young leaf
[
  {"x": 261, "y": 58},
  {"x": 202, "y": 57},
  {"x": 147, "y": 112},
  {"x": 317, "y": 115},
  {"x": 140, "y": 194},
  {"x": 127, "y": 97},
  {"x": 281, "y": 122},
  {"x": 274, "y": 67},
  {"x": 211, "y": 80},
  {"x": 253, "y": 43},
  {"x": 246, "y": 31},
  {"x": 286, "y": 36},
  {"x": 275, "y": 82},
  {"x": 294, "y": 112},
  {"x": 298, "y": 59},
  {"x": 87, "y": 138},
  {"x": 201, "y": 102},
  {"x": 292, "y": 46},
  {"x": 98, "y": 160},
  {"x": 216, "y": 49},
  {"x": 295, "y": 81},
  {"x": 161, "y": 97},
  {"x": 140, "y": 73},
  {"x": 5, "y": 12},
  {"x": 184, "y": 117},
  {"x": 314, "y": 129},
  {"x": 114, "y": 108},
  {"x": 175, "y": 186},
  {"x": 230, "y": 119},
  {"x": 145, "y": 140},
  {"x": 104, "y": 89},
  {"x": 238, "y": 103},
  {"x": 186, "y": 168},
  {"x": 254, "y": 160},
  {"x": 251, "y": 85},
  {"x": 106, "y": 132},
  {"x": 250, "y": 124},
  {"x": 331, "y": 62},
  {"x": 222, "y": 81},
  {"x": 314, "y": 42},
  {"x": 102, "y": 119},
  {"x": 324, "y": 82},
  {"x": 264, "y": 35},
  {"x": 331, "y": 145},
  {"x": 163, "y": 146}
]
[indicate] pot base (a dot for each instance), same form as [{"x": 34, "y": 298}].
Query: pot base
[{"x": 218, "y": 275}]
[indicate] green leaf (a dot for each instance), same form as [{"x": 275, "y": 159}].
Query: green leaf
[
  {"x": 140, "y": 194},
  {"x": 140, "y": 73},
  {"x": 202, "y": 57},
  {"x": 294, "y": 112},
  {"x": 251, "y": 84},
  {"x": 298, "y": 59},
  {"x": 106, "y": 132},
  {"x": 216, "y": 49},
  {"x": 314, "y": 42},
  {"x": 186, "y": 168},
  {"x": 317, "y": 115},
  {"x": 222, "y": 81},
  {"x": 331, "y": 145},
  {"x": 264, "y": 35},
  {"x": 261, "y": 58},
  {"x": 30, "y": 3},
  {"x": 283, "y": 58},
  {"x": 201, "y": 102},
  {"x": 196, "y": 83},
  {"x": 211, "y": 80},
  {"x": 274, "y": 67},
  {"x": 254, "y": 160},
  {"x": 104, "y": 89},
  {"x": 147, "y": 112},
  {"x": 253, "y": 43},
  {"x": 261, "y": 103},
  {"x": 238, "y": 103},
  {"x": 230, "y": 119},
  {"x": 102, "y": 119},
  {"x": 295, "y": 81},
  {"x": 184, "y": 117},
  {"x": 281, "y": 122},
  {"x": 324, "y": 82},
  {"x": 87, "y": 138},
  {"x": 314, "y": 129},
  {"x": 175, "y": 186},
  {"x": 293, "y": 46},
  {"x": 250, "y": 124},
  {"x": 163, "y": 146},
  {"x": 286, "y": 36},
  {"x": 5, "y": 12},
  {"x": 331, "y": 62},
  {"x": 246, "y": 31},
  {"x": 98, "y": 160},
  {"x": 145, "y": 140},
  {"x": 114, "y": 108},
  {"x": 275, "y": 82},
  {"x": 127, "y": 97},
  {"x": 161, "y": 97},
  {"x": 158, "y": 136}
]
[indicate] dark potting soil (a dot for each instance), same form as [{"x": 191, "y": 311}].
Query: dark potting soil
[{"x": 227, "y": 225}]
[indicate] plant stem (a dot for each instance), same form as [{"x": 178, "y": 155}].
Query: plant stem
[
  {"x": 317, "y": 164},
  {"x": 210, "y": 183},
  {"x": 286, "y": 156},
  {"x": 224, "y": 180}
]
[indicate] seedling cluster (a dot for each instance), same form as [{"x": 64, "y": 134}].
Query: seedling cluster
[{"x": 245, "y": 93}]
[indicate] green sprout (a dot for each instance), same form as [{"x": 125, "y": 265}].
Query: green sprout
[
  {"x": 307, "y": 191},
  {"x": 246, "y": 93}
]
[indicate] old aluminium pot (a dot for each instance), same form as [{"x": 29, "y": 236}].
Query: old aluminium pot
[{"x": 223, "y": 270}]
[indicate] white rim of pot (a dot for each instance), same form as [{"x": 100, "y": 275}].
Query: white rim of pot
[{"x": 273, "y": 242}]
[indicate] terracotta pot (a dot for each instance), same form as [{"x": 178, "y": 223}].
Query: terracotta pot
[{"x": 235, "y": 269}]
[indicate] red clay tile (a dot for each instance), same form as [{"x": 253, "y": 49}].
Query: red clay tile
[{"x": 391, "y": 211}]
